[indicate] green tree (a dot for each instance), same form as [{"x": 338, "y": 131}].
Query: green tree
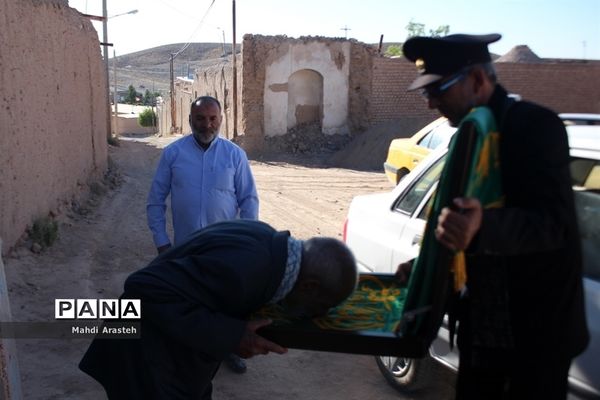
[
  {"x": 441, "y": 30},
  {"x": 148, "y": 98},
  {"x": 393, "y": 50},
  {"x": 415, "y": 29},
  {"x": 418, "y": 29},
  {"x": 132, "y": 95},
  {"x": 147, "y": 117}
]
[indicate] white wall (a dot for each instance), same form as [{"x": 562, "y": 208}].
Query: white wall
[{"x": 329, "y": 60}]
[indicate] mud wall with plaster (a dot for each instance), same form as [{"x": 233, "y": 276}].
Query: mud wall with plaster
[
  {"x": 252, "y": 90},
  {"x": 284, "y": 78},
  {"x": 217, "y": 81},
  {"x": 176, "y": 121},
  {"x": 54, "y": 111},
  {"x": 129, "y": 125},
  {"x": 306, "y": 81},
  {"x": 360, "y": 89}
]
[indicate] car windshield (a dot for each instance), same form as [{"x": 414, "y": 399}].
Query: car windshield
[
  {"x": 437, "y": 136},
  {"x": 580, "y": 119},
  {"x": 412, "y": 198},
  {"x": 588, "y": 215},
  {"x": 585, "y": 175},
  {"x": 586, "y": 184}
]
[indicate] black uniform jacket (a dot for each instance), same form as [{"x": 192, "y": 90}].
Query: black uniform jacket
[
  {"x": 195, "y": 299},
  {"x": 534, "y": 240}
]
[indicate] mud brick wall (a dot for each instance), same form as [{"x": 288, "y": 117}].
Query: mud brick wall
[
  {"x": 390, "y": 100},
  {"x": 377, "y": 85},
  {"x": 259, "y": 51},
  {"x": 567, "y": 86},
  {"x": 54, "y": 120},
  {"x": 360, "y": 93},
  {"x": 217, "y": 81}
]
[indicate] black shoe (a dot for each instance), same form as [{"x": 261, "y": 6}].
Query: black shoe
[{"x": 235, "y": 363}]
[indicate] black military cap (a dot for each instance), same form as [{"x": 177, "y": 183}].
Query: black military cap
[{"x": 436, "y": 57}]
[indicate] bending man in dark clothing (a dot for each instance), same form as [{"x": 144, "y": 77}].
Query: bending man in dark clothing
[
  {"x": 196, "y": 299},
  {"x": 521, "y": 314}
]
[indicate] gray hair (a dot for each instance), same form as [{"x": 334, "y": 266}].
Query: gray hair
[{"x": 489, "y": 70}]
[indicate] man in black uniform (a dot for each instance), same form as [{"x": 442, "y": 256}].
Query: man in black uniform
[
  {"x": 196, "y": 299},
  {"x": 522, "y": 315}
]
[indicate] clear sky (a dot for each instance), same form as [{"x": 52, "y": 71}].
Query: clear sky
[{"x": 551, "y": 28}]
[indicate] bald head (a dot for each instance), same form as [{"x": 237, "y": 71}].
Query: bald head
[
  {"x": 327, "y": 277},
  {"x": 205, "y": 100}
]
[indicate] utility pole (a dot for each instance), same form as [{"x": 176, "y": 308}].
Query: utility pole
[
  {"x": 104, "y": 18},
  {"x": 234, "y": 77},
  {"x": 115, "y": 95},
  {"x": 346, "y": 29},
  {"x": 153, "y": 104},
  {"x": 223, "y": 31},
  {"x": 172, "y": 96},
  {"x": 105, "y": 53}
]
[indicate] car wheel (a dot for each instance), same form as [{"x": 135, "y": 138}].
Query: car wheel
[
  {"x": 405, "y": 374},
  {"x": 401, "y": 173}
]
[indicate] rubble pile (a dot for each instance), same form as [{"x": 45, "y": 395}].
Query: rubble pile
[{"x": 306, "y": 139}]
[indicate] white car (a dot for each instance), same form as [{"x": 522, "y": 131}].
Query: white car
[
  {"x": 385, "y": 229},
  {"x": 580, "y": 119}
]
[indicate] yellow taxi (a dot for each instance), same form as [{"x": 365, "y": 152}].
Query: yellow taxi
[{"x": 405, "y": 154}]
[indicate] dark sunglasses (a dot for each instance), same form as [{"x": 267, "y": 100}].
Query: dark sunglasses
[{"x": 436, "y": 90}]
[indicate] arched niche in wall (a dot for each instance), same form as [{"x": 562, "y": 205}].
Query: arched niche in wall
[{"x": 305, "y": 98}]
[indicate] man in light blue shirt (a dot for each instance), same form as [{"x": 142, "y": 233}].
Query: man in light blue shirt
[{"x": 208, "y": 177}]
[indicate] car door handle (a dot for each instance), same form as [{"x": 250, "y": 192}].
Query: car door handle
[{"x": 417, "y": 239}]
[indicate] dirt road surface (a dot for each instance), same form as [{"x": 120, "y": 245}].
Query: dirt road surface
[{"x": 101, "y": 242}]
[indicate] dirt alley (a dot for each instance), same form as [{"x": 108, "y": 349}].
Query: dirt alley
[{"x": 103, "y": 241}]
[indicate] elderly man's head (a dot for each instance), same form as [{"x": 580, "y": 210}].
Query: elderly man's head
[
  {"x": 327, "y": 277},
  {"x": 456, "y": 72},
  {"x": 205, "y": 119}
]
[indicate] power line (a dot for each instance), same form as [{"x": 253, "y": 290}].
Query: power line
[
  {"x": 177, "y": 10},
  {"x": 172, "y": 69},
  {"x": 185, "y": 46}
]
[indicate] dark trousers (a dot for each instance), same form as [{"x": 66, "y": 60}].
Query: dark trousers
[
  {"x": 524, "y": 379},
  {"x": 501, "y": 374}
]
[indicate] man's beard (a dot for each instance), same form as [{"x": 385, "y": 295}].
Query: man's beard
[
  {"x": 456, "y": 116},
  {"x": 205, "y": 136}
]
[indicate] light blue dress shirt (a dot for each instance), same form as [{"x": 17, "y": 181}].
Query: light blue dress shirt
[{"x": 206, "y": 186}]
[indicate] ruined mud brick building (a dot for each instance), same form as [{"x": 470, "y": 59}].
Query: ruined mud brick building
[{"x": 346, "y": 86}]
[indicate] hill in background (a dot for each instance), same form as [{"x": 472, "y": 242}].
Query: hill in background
[{"x": 149, "y": 69}]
